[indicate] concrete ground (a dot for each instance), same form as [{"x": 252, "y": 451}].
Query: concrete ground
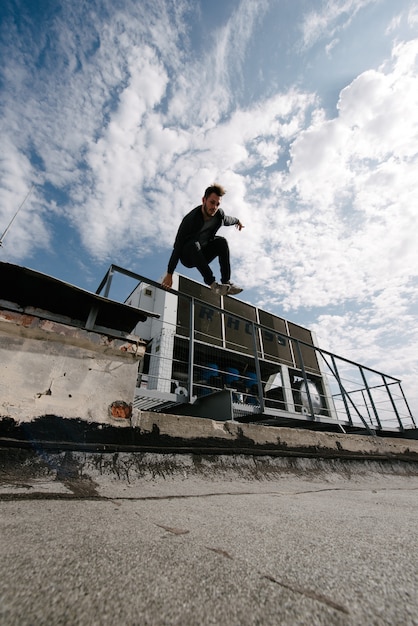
[{"x": 157, "y": 539}]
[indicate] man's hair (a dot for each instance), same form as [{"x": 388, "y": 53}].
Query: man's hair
[{"x": 215, "y": 188}]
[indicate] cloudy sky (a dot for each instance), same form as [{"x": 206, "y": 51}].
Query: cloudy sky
[{"x": 116, "y": 114}]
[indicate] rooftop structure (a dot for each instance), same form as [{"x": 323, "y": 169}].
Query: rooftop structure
[{"x": 222, "y": 358}]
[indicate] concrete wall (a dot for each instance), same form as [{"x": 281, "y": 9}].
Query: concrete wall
[{"x": 52, "y": 368}]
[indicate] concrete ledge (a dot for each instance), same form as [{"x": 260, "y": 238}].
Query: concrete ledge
[
  {"x": 148, "y": 432},
  {"x": 31, "y": 475},
  {"x": 278, "y": 441}
]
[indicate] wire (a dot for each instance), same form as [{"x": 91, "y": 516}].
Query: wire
[{"x": 15, "y": 215}]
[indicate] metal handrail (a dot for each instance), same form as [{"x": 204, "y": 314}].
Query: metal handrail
[{"x": 255, "y": 326}]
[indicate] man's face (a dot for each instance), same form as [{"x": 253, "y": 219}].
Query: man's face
[{"x": 210, "y": 205}]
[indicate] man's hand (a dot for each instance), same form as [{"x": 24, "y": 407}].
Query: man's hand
[
  {"x": 167, "y": 281},
  {"x": 239, "y": 225}
]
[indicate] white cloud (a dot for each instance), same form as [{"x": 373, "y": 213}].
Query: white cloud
[
  {"x": 332, "y": 17},
  {"x": 413, "y": 16},
  {"x": 364, "y": 158},
  {"x": 19, "y": 204},
  {"x": 123, "y": 126}
]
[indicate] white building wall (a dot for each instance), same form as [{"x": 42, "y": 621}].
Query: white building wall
[
  {"x": 160, "y": 332},
  {"x": 161, "y": 361}
]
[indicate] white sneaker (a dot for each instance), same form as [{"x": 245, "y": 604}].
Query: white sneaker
[
  {"x": 232, "y": 288},
  {"x": 220, "y": 290}
]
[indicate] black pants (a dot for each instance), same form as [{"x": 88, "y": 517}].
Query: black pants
[{"x": 193, "y": 255}]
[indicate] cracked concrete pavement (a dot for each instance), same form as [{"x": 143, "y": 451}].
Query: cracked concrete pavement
[{"x": 186, "y": 539}]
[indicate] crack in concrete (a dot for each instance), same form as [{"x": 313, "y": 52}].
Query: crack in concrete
[
  {"x": 86, "y": 489},
  {"x": 172, "y": 530},
  {"x": 308, "y": 593},
  {"x": 313, "y": 595},
  {"x": 220, "y": 551}
]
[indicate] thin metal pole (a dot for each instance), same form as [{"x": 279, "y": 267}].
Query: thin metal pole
[
  {"x": 191, "y": 348},
  {"x": 15, "y": 215},
  {"x": 406, "y": 404},
  {"x": 258, "y": 369},
  {"x": 337, "y": 376},
  {"x": 370, "y": 397},
  {"x": 393, "y": 403},
  {"x": 108, "y": 282},
  {"x": 302, "y": 366}
]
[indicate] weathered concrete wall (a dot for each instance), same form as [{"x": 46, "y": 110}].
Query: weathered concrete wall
[
  {"x": 61, "y": 384},
  {"x": 190, "y": 433},
  {"x": 51, "y": 368},
  {"x": 174, "y": 434}
]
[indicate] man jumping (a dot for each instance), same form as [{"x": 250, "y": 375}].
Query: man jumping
[{"x": 197, "y": 245}]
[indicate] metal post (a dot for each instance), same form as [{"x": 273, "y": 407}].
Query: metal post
[
  {"x": 191, "y": 349},
  {"x": 407, "y": 405},
  {"x": 370, "y": 397},
  {"x": 91, "y": 320},
  {"x": 393, "y": 403},
  {"x": 108, "y": 282},
  {"x": 367, "y": 408},
  {"x": 258, "y": 369},
  {"x": 305, "y": 379},
  {"x": 337, "y": 376}
]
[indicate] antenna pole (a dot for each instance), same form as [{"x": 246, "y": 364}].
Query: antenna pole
[{"x": 15, "y": 215}]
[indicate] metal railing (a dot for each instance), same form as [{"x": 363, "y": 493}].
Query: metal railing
[{"x": 184, "y": 363}]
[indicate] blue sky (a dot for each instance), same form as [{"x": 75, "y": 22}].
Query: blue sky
[{"x": 117, "y": 114}]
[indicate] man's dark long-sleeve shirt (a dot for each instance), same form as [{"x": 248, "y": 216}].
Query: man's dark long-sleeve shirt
[{"x": 189, "y": 230}]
